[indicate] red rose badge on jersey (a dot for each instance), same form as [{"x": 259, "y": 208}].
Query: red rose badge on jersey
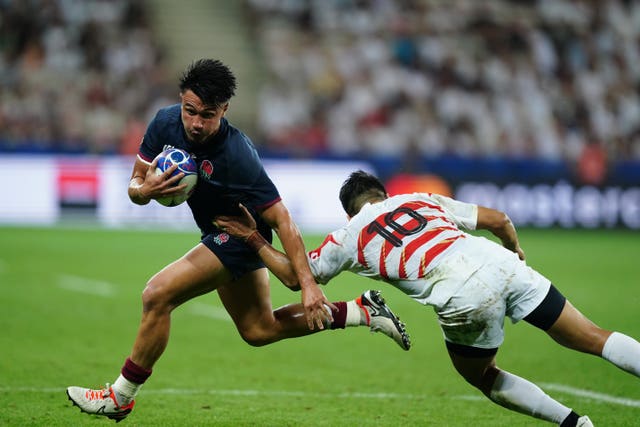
[{"x": 206, "y": 169}]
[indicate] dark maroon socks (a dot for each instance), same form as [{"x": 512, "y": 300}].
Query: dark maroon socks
[
  {"x": 340, "y": 316},
  {"x": 134, "y": 373}
]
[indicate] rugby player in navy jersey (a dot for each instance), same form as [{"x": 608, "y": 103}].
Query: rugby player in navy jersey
[
  {"x": 230, "y": 172},
  {"x": 416, "y": 243}
]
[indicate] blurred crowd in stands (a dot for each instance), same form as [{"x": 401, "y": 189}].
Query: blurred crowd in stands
[
  {"x": 550, "y": 79},
  {"x": 77, "y": 76}
]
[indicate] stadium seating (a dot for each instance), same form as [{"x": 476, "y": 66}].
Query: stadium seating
[
  {"x": 405, "y": 85},
  {"x": 77, "y": 77},
  {"x": 546, "y": 79}
]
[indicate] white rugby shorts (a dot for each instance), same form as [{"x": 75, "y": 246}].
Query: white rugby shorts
[{"x": 500, "y": 285}]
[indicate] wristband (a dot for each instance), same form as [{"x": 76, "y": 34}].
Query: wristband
[{"x": 256, "y": 241}]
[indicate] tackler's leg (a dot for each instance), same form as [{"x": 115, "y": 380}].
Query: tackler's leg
[{"x": 478, "y": 367}]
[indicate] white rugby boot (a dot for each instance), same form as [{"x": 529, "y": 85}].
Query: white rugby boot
[{"x": 99, "y": 402}]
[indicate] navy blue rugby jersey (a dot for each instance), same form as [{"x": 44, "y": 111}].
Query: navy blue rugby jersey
[{"x": 229, "y": 169}]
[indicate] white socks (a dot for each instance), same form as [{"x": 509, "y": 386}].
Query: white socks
[
  {"x": 520, "y": 395},
  {"x": 354, "y": 314},
  {"x": 624, "y": 352},
  {"x": 125, "y": 390}
]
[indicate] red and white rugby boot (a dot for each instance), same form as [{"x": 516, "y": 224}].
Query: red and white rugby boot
[
  {"x": 381, "y": 319},
  {"x": 99, "y": 402}
]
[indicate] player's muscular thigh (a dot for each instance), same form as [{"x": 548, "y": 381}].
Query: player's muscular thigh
[
  {"x": 196, "y": 273},
  {"x": 248, "y": 302}
]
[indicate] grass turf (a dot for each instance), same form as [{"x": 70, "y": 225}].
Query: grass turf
[{"x": 71, "y": 306}]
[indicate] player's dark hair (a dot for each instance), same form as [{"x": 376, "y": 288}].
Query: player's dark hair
[
  {"x": 358, "y": 189},
  {"x": 211, "y": 80}
]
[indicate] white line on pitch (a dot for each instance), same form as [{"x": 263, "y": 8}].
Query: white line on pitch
[
  {"x": 86, "y": 285},
  {"x": 249, "y": 392},
  {"x": 591, "y": 395},
  {"x": 600, "y": 397}
]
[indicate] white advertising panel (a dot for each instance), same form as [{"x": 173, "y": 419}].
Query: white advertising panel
[
  {"x": 41, "y": 190},
  {"x": 29, "y": 190},
  {"x": 310, "y": 190}
]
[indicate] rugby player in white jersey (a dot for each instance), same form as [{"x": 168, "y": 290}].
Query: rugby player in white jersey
[{"x": 415, "y": 242}]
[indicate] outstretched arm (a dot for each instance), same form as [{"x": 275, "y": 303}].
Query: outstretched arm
[
  {"x": 244, "y": 227},
  {"x": 498, "y": 223},
  {"x": 316, "y": 305}
]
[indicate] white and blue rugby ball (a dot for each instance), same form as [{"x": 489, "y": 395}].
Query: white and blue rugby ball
[{"x": 187, "y": 165}]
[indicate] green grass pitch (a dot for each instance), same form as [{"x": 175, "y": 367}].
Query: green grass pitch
[{"x": 71, "y": 306}]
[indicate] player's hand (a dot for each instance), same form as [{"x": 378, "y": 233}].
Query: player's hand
[
  {"x": 162, "y": 185},
  {"x": 515, "y": 248},
  {"x": 317, "y": 307},
  {"x": 238, "y": 226}
]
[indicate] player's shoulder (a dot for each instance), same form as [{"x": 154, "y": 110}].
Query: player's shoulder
[
  {"x": 240, "y": 147},
  {"x": 170, "y": 113},
  {"x": 165, "y": 119},
  {"x": 431, "y": 199},
  {"x": 337, "y": 244},
  {"x": 410, "y": 200},
  {"x": 239, "y": 140},
  {"x": 413, "y": 196}
]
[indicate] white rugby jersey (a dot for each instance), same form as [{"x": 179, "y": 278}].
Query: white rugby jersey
[{"x": 398, "y": 240}]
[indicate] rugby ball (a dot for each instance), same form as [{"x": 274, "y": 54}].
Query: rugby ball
[{"x": 187, "y": 165}]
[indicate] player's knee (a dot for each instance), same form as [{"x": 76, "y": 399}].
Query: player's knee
[
  {"x": 488, "y": 379},
  {"x": 255, "y": 337},
  {"x": 482, "y": 379},
  {"x": 473, "y": 378},
  {"x": 257, "y": 333},
  {"x": 153, "y": 298}
]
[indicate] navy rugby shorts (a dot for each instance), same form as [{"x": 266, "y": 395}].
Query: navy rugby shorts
[{"x": 234, "y": 254}]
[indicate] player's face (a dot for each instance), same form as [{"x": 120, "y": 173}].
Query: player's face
[{"x": 200, "y": 121}]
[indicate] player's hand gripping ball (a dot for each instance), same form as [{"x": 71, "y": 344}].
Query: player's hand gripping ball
[{"x": 186, "y": 165}]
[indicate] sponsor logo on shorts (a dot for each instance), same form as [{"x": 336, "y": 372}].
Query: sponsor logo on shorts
[{"x": 221, "y": 238}]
